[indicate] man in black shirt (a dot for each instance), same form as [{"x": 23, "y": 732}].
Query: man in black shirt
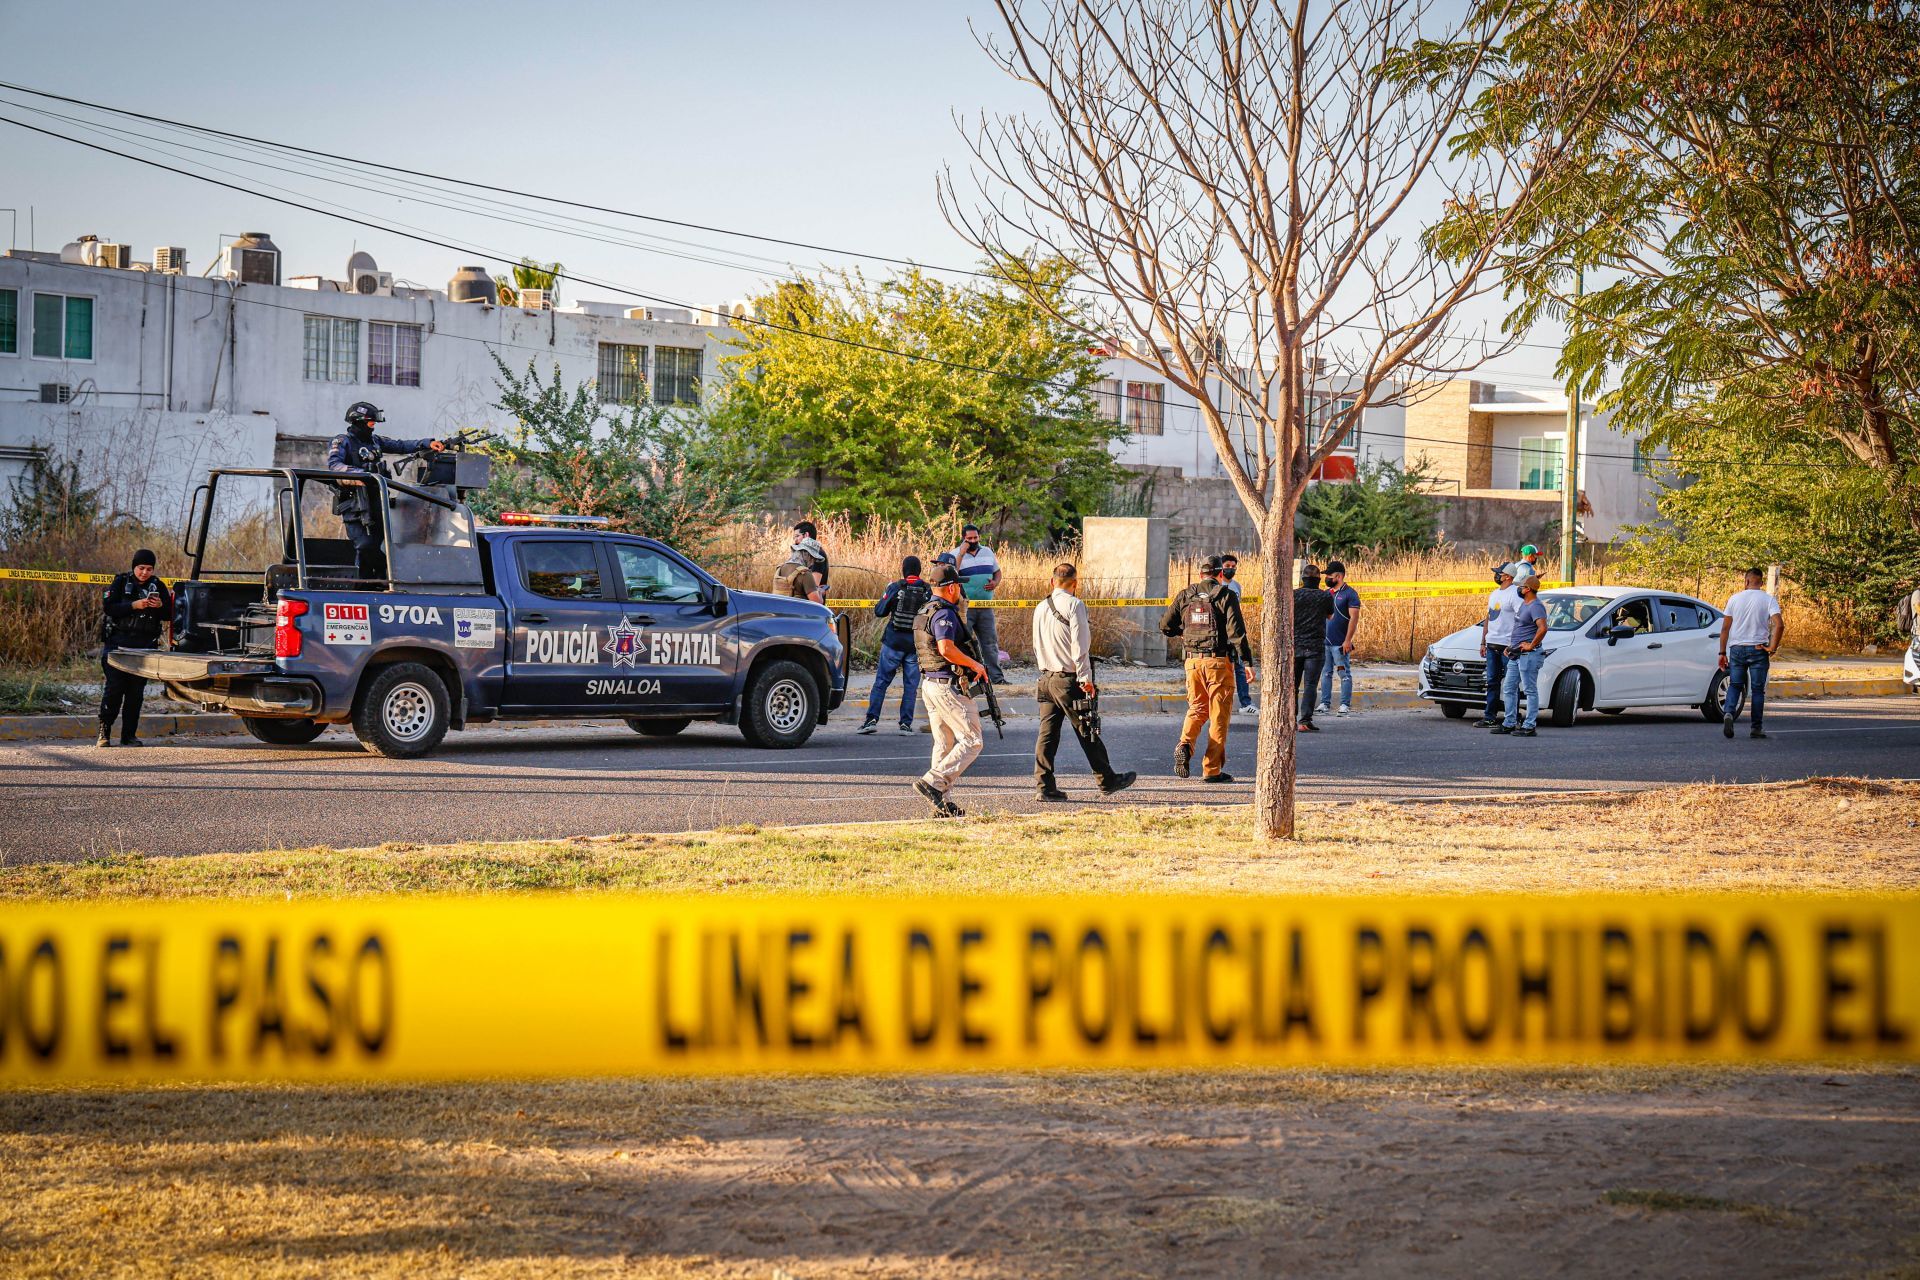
[
  {"x": 1311, "y": 608},
  {"x": 1206, "y": 618},
  {"x": 135, "y": 608}
]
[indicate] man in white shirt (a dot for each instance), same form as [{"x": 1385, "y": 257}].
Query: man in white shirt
[
  {"x": 1749, "y": 637},
  {"x": 979, "y": 578},
  {"x": 1496, "y": 633},
  {"x": 1063, "y": 650}
]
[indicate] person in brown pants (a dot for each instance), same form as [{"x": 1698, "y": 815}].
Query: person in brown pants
[{"x": 1206, "y": 618}]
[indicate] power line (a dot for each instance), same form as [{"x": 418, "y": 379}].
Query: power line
[{"x": 1484, "y": 343}]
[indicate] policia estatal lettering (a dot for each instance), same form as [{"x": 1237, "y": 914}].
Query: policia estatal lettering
[
  {"x": 133, "y": 611},
  {"x": 1206, "y": 618},
  {"x": 359, "y": 449}
]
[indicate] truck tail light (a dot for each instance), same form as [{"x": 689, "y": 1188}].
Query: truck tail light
[{"x": 286, "y": 632}]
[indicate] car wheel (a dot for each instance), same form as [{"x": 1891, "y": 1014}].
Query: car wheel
[
  {"x": 1566, "y": 699},
  {"x": 1453, "y": 710},
  {"x": 402, "y": 711},
  {"x": 658, "y": 728},
  {"x": 283, "y": 733},
  {"x": 1713, "y": 708},
  {"x": 781, "y": 706}
]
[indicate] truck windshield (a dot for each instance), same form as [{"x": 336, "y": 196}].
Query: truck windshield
[{"x": 1564, "y": 613}]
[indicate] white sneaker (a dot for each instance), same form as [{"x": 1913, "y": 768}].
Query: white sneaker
[
  {"x": 1345, "y": 710},
  {"x": 1248, "y": 709},
  {"x": 906, "y": 728},
  {"x": 1322, "y": 709}
]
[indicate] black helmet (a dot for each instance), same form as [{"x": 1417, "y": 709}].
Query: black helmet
[{"x": 362, "y": 414}]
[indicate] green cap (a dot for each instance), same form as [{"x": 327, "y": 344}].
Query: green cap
[{"x": 1529, "y": 550}]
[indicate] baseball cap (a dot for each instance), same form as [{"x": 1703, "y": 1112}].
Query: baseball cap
[
  {"x": 1212, "y": 565},
  {"x": 941, "y": 575},
  {"x": 1529, "y": 550}
]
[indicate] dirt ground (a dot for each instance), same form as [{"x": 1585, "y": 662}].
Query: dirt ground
[{"x": 1627, "y": 1173}]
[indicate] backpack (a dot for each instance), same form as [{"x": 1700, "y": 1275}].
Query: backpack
[
  {"x": 794, "y": 578},
  {"x": 1202, "y": 628},
  {"x": 907, "y": 603}
]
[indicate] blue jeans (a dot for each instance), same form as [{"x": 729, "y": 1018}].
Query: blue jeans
[
  {"x": 1523, "y": 671},
  {"x": 1746, "y": 678},
  {"x": 1496, "y": 676},
  {"x": 1341, "y": 662},
  {"x": 1241, "y": 688},
  {"x": 904, "y": 662}
]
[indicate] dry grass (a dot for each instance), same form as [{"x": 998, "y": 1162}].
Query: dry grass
[{"x": 1816, "y": 835}]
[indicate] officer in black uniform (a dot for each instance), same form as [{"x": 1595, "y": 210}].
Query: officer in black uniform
[
  {"x": 359, "y": 449},
  {"x": 134, "y": 609}
]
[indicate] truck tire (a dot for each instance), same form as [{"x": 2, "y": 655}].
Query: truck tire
[
  {"x": 402, "y": 711},
  {"x": 658, "y": 728},
  {"x": 1453, "y": 710},
  {"x": 283, "y": 733},
  {"x": 1566, "y": 699},
  {"x": 1714, "y": 707},
  {"x": 781, "y": 706}
]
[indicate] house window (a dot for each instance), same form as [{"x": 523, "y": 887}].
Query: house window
[
  {"x": 676, "y": 375},
  {"x": 1106, "y": 399},
  {"x": 1146, "y": 408},
  {"x": 393, "y": 354},
  {"x": 1540, "y": 463},
  {"x": 623, "y": 374},
  {"x": 9, "y": 322},
  {"x": 1324, "y": 412},
  {"x": 62, "y": 327},
  {"x": 332, "y": 349},
  {"x": 1642, "y": 460}
]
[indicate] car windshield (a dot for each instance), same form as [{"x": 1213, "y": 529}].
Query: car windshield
[{"x": 1564, "y": 613}]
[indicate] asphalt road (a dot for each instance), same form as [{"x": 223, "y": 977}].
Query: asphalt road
[{"x": 64, "y": 800}]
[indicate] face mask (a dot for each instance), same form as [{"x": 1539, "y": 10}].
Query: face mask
[{"x": 1229, "y": 571}]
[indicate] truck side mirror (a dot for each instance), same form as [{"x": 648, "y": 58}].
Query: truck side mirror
[{"x": 719, "y": 598}]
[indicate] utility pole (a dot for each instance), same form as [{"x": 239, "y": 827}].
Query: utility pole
[{"x": 1570, "y": 464}]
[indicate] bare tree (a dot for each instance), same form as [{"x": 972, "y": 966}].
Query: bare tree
[{"x": 1245, "y": 183}]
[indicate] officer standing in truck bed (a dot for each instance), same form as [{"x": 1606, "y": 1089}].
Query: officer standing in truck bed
[{"x": 359, "y": 449}]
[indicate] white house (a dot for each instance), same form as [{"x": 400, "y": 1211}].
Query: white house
[{"x": 152, "y": 375}]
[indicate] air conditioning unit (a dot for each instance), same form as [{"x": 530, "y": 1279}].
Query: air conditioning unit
[
  {"x": 374, "y": 284},
  {"x": 170, "y": 258},
  {"x": 252, "y": 266},
  {"x": 536, "y": 300},
  {"x": 119, "y": 256},
  {"x": 55, "y": 393}
]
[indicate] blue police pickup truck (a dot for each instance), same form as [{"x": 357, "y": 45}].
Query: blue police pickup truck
[{"x": 533, "y": 620}]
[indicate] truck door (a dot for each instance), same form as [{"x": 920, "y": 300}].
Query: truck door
[
  {"x": 565, "y": 617},
  {"x": 683, "y": 653}
]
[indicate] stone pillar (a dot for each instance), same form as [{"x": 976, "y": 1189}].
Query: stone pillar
[{"x": 1125, "y": 557}]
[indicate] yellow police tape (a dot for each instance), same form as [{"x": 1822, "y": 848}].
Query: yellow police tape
[
  {"x": 513, "y": 985},
  {"x": 53, "y": 575}
]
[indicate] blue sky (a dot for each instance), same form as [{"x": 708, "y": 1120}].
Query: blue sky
[{"x": 826, "y": 123}]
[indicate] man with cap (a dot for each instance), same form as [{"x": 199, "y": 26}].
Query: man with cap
[
  {"x": 979, "y": 578},
  {"x": 940, "y": 637},
  {"x": 134, "y": 609},
  {"x": 1206, "y": 618},
  {"x": 1312, "y": 607},
  {"x": 899, "y": 604},
  {"x": 355, "y": 450},
  {"x": 1527, "y": 566},
  {"x": 1496, "y": 634}
]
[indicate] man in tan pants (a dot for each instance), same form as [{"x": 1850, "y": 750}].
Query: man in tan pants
[
  {"x": 939, "y": 634},
  {"x": 1206, "y": 618}
]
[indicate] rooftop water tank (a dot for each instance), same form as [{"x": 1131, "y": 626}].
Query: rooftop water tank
[{"x": 473, "y": 284}]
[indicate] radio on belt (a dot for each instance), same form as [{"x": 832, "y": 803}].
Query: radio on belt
[{"x": 541, "y": 615}]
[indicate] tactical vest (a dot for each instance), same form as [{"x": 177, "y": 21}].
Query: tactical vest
[
  {"x": 139, "y": 629},
  {"x": 794, "y": 578},
  {"x": 1203, "y": 627},
  {"x": 928, "y": 649},
  {"x": 907, "y": 604}
]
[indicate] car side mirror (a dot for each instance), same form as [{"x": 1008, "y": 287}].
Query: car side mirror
[
  {"x": 718, "y": 600},
  {"x": 1616, "y": 634}
]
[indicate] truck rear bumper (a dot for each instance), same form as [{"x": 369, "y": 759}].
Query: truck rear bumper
[{"x": 244, "y": 686}]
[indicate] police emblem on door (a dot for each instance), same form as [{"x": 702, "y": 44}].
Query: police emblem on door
[{"x": 624, "y": 639}]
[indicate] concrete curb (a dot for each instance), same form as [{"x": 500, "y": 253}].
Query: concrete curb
[{"x": 83, "y": 728}]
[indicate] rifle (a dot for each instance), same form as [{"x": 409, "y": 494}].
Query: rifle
[{"x": 972, "y": 650}]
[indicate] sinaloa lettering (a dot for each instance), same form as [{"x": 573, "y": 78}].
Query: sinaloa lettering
[
  {"x": 419, "y": 615},
  {"x": 622, "y": 688}
]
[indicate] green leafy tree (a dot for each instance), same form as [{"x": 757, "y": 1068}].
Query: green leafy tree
[
  {"x": 1744, "y": 209},
  {"x": 1385, "y": 508},
  {"x": 676, "y": 474},
  {"x": 49, "y": 497},
  {"x": 1000, "y": 418}
]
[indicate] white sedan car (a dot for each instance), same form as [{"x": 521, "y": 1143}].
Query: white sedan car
[{"x": 1608, "y": 648}]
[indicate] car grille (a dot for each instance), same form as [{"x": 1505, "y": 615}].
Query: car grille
[{"x": 1458, "y": 676}]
